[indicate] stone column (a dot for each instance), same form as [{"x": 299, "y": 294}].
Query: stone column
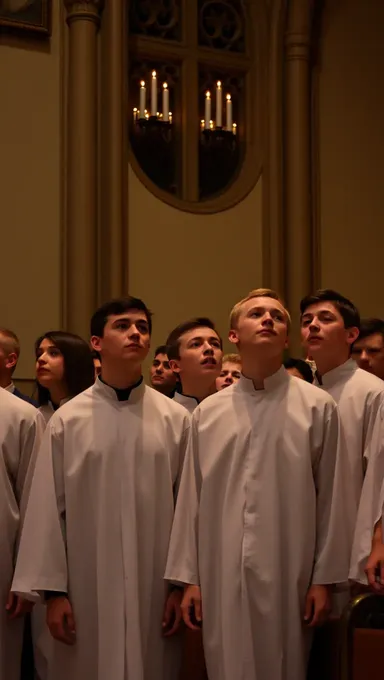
[
  {"x": 83, "y": 19},
  {"x": 113, "y": 255},
  {"x": 297, "y": 171}
]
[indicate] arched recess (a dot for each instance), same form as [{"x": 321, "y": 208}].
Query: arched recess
[{"x": 252, "y": 131}]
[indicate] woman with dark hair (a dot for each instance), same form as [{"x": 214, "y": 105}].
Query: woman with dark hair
[{"x": 64, "y": 368}]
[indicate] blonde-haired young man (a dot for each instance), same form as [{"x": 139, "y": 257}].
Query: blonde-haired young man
[
  {"x": 230, "y": 371},
  {"x": 258, "y": 530}
]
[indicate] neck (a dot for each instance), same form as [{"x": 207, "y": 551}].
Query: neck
[
  {"x": 198, "y": 388},
  {"x": 260, "y": 370},
  {"x": 120, "y": 378},
  {"x": 57, "y": 394},
  {"x": 329, "y": 363},
  {"x": 5, "y": 381}
]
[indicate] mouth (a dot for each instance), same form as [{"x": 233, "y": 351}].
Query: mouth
[
  {"x": 157, "y": 378},
  {"x": 314, "y": 338},
  {"x": 42, "y": 370},
  {"x": 209, "y": 361},
  {"x": 267, "y": 331},
  {"x": 133, "y": 346}
]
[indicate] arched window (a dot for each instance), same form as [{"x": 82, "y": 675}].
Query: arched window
[{"x": 195, "y": 91}]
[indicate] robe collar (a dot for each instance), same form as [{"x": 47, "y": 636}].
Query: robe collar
[
  {"x": 342, "y": 372},
  {"x": 106, "y": 392},
  {"x": 190, "y": 403},
  {"x": 274, "y": 381}
]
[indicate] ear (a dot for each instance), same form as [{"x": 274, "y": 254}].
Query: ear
[
  {"x": 96, "y": 343},
  {"x": 233, "y": 337},
  {"x": 11, "y": 360},
  {"x": 174, "y": 365},
  {"x": 352, "y": 335}
]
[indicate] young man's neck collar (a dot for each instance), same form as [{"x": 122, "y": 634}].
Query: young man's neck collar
[
  {"x": 121, "y": 380},
  {"x": 197, "y": 389},
  {"x": 259, "y": 371},
  {"x": 329, "y": 363}
]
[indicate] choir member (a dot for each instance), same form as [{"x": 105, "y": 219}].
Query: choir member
[
  {"x": 9, "y": 356},
  {"x": 299, "y": 369},
  {"x": 230, "y": 371},
  {"x": 329, "y": 327},
  {"x": 21, "y": 428},
  {"x": 100, "y": 514},
  {"x": 258, "y": 535},
  {"x": 64, "y": 368},
  {"x": 368, "y": 350},
  {"x": 162, "y": 378},
  {"x": 195, "y": 354}
]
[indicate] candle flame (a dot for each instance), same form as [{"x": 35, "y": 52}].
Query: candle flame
[
  {"x": 228, "y": 97},
  {"x": 142, "y": 83},
  {"x": 135, "y": 110},
  {"x": 153, "y": 74},
  {"x": 165, "y": 86},
  {"x": 211, "y": 124},
  {"x": 219, "y": 84},
  {"x": 208, "y": 95}
]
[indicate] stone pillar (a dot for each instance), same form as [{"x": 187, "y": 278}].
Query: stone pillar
[
  {"x": 297, "y": 170},
  {"x": 83, "y": 19},
  {"x": 113, "y": 255}
]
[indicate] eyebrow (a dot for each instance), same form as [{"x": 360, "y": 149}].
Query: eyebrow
[
  {"x": 260, "y": 308},
  {"x": 128, "y": 319},
  {"x": 200, "y": 337}
]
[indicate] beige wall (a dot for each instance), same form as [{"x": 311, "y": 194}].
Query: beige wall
[
  {"x": 30, "y": 85},
  {"x": 351, "y": 136},
  {"x": 186, "y": 265}
]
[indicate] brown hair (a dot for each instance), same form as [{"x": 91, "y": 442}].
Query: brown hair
[
  {"x": 256, "y": 293},
  {"x": 232, "y": 358}
]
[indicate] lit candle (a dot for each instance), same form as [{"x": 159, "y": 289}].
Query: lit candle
[
  {"x": 147, "y": 116},
  {"x": 202, "y": 124},
  {"x": 170, "y": 116},
  {"x": 154, "y": 94},
  {"x": 219, "y": 105},
  {"x": 135, "y": 114},
  {"x": 234, "y": 128},
  {"x": 211, "y": 124},
  {"x": 229, "y": 113},
  {"x": 142, "y": 99},
  {"x": 208, "y": 108},
  {"x": 165, "y": 102}
]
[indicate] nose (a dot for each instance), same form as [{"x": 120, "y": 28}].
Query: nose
[
  {"x": 229, "y": 380},
  {"x": 208, "y": 349},
  {"x": 267, "y": 320},
  {"x": 133, "y": 332},
  {"x": 41, "y": 359},
  {"x": 314, "y": 326},
  {"x": 364, "y": 357},
  {"x": 159, "y": 370}
]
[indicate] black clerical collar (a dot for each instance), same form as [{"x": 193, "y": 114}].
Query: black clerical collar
[{"x": 124, "y": 393}]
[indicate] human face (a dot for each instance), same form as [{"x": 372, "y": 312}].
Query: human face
[
  {"x": 262, "y": 325},
  {"x": 49, "y": 365},
  {"x": 125, "y": 339},
  {"x": 229, "y": 374},
  {"x": 369, "y": 354},
  {"x": 323, "y": 332},
  {"x": 161, "y": 373},
  {"x": 200, "y": 354}
]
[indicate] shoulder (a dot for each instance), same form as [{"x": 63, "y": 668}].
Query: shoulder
[
  {"x": 75, "y": 409},
  {"x": 217, "y": 404},
  {"x": 368, "y": 382},
  {"x": 24, "y": 397},
  {"x": 165, "y": 405},
  {"x": 303, "y": 393},
  {"x": 15, "y": 411}
]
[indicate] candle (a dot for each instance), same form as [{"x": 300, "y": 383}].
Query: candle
[
  {"x": 142, "y": 99},
  {"x": 170, "y": 116},
  {"x": 165, "y": 102},
  {"x": 135, "y": 114},
  {"x": 211, "y": 124},
  {"x": 208, "y": 107},
  {"x": 202, "y": 124},
  {"x": 229, "y": 113},
  {"x": 154, "y": 94},
  {"x": 234, "y": 128},
  {"x": 219, "y": 105}
]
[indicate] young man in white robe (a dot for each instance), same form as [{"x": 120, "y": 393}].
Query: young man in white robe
[
  {"x": 230, "y": 371},
  {"x": 368, "y": 350},
  {"x": 258, "y": 531},
  {"x": 100, "y": 514},
  {"x": 329, "y": 327},
  {"x": 21, "y": 427},
  {"x": 162, "y": 378},
  {"x": 195, "y": 354}
]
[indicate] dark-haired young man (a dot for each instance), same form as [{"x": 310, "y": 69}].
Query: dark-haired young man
[
  {"x": 195, "y": 353},
  {"x": 329, "y": 327},
  {"x": 163, "y": 379},
  {"x": 368, "y": 350},
  {"x": 101, "y": 508}
]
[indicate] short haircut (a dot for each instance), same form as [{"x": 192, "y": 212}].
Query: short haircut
[
  {"x": 370, "y": 327},
  {"x": 345, "y": 307},
  {"x": 79, "y": 372},
  {"x": 173, "y": 340},
  {"x": 161, "y": 349},
  {"x": 10, "y": 341},
  {"x": 302, "y": 366},
  {"x": 115, "y": 308},
  {"x": 232, "y": 358},
  {"x": 256, "y": 293}
]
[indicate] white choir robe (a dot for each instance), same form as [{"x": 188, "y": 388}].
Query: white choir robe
[
  {"x": 259, "y": 519},
  {"x": 98, "y": 526},
  {"x": 190, "y": 403},
  {"x": 21, "y": 429},
  {"x": 371, "y": 504}
]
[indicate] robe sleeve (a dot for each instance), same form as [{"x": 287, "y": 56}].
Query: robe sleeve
[
  {"x": 41, "y": 563},
  {"x": 333, "y": 535},
  {"x": 371, "y": 503},
  {"x": 182, "y": 564}
]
